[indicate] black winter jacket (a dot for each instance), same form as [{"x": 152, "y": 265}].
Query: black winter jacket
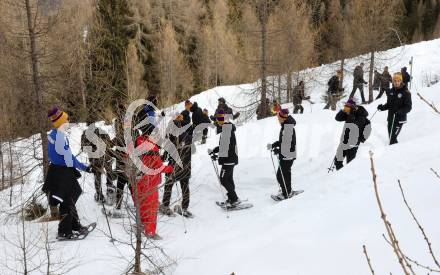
[
  {"x": 183, "y": 146},
  {"x": 231, "y": 158},
  {"x": 197, "y": 114},
  {"x": 284, "y": 136},
  {"x": 399, "y": 104},
  {"x": 358, "y": 75},
  {"x": 356, "y": 117}
]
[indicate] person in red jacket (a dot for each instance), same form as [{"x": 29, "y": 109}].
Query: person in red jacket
[{"x": 147, "y": 186}]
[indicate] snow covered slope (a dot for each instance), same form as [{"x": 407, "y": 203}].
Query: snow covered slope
[{"x": 319, "y": 232}]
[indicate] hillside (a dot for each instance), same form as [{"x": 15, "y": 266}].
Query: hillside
[{"x": 319, "y": 232}]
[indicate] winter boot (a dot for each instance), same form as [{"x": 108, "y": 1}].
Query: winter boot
[
  {"x": 111, "y": 195},
  {"x": 187, "y": 214},
  {"x": 67, "y": 236},
  {"x": 54, "y": 213},
  {"x": 166, "y": 210},
  {"x": 154, "y": 237}
]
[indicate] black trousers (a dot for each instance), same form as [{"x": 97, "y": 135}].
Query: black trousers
[
  {"x": 394, "y": 130},
  {"x": 361, "y": 89},
  {"x": 298, "y": 109},
  {"x": 227, "y": 180},
  {"x": 184, "y": 185},
  {"x": 69, "y": 216},
  {"x": 99, "y": 166},
  {"x": 284, "y": 176},
  {"x": 349, "y": 154},
  {"x": 121, "y": 182},
  {"x": 382, "y": 91}
]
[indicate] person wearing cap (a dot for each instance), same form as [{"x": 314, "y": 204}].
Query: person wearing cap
[
  {"x": 285, "y": 148},
  {"x": 227, "y": 159},
  {"x": 399, "y": 104},
  {"x": 354, "y": 132},
  {"x": 61, "y": 184},
  {"x": 385, "y": 81},
  {"x": 334, "y": 90},
  {"x": 358, "y": 82},
  {"x": 226, "y": 110},
  {"x": 186, "y": 113}
]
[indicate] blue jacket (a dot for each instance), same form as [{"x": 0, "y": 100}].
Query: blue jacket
[{"x": 60, "y": 153}]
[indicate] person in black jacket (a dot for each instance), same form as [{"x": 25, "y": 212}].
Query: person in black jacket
[
  {"x": 182, "y": 174},
  {"x": 358, "y": 81},
  {"x": 226, "y": 154},
  {"x": 354, "y": 132},
  {"x": 226, "y": 110},
  {"x": 285, "y": 148},
  {"x": 186, "y": 113},
  {"x": 406, "y": 78},
  {"x": 334, "y": 90},
  {"x": 299, "y": 96},
  {"x": 398, "y": 104},
  {"x": 197, "y": 119}
]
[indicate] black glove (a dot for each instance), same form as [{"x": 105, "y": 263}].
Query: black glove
[
  {"x": 380, "y": 107},
  {"x": 214, "y": 157},
  {"x": 89, "y": 169},
  {"x": 365, "y": 82},
  {"x": 276, "y": 151},
  {"x": 162, "y": 113}
]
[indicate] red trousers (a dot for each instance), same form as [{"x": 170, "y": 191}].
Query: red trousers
[{"x": 148, "y": 202}]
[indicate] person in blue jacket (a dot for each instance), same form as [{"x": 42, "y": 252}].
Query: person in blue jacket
[{"x": 61, "y": 184}]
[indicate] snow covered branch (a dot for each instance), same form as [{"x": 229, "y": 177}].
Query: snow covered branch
[
  {"x": 435, "y": 173},
  {"x": 406, "y": 267},
  {"x": 368, "y": 260},
  {"x": 429, "y": 104},
  {"x": 420, "y": 226}
]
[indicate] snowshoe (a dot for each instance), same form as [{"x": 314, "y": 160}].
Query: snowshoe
[
  {"x": 280, "y": 196},
  {"x": 68, "y": 236},
  {"x": 154, "y": 237},
  {"x": 234, "y": 206},
  {"x": 115, "y": 213},
  {"x": 165, "y": 210},
  {"x": 183, "y": 212}
]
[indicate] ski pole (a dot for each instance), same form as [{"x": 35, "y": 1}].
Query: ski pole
[
  {"x": 392, "y": 128},
  {"x": 373, "y": 115},
  {"x": 218, "y": 178},
  {"x": 273, "y": 164},
  {"x": 331, "y": 167},
  {"x": 112, "y": 240}
]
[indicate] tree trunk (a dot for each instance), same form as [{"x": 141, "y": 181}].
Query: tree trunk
[
  {"x": 37, "y": 85},
  {"x": 341, "y": 83},
  {"x": 370, "y": 79},
  {"x": 263, "y": 22},
  {"x": 11, "y": 173},
  {"x": 279, "y": 88},
  {"x": 289, "y": 87},
  {"x": 2, "y": 166}
]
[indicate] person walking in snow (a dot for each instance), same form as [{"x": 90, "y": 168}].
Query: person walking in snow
[
  {"x": 406, "y": 78},
  {"x": 358, "y": 82},
  {"x": 385, "y": 81},
  {"x": 226, "y": 110},
  {"x": 182, "y": 142},
  {"x": 357, "y": 129},
  {"x": 376, "y": 80},
  {"x": 276, "y": 107},
  {"x": 205, "y": 119},
  {"x": 145, "y": 192},
  {"x": 299, "y": 96},
  {"x": 285, "y": 148},
  {"x": 267, "y": 113},
  {"x": 334, "y": 90},
  {"x": 226, "y": 154},
  {"x": 399, "y": 104},
  {"x": 61, "y": 184},
  {"x": 101, "y": 165}
]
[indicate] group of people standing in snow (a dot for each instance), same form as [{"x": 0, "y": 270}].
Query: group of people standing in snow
[{"x": 63, "y": 190}]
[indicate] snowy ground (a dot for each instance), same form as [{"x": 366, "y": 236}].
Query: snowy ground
[{"x": 319, "y": 232}]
